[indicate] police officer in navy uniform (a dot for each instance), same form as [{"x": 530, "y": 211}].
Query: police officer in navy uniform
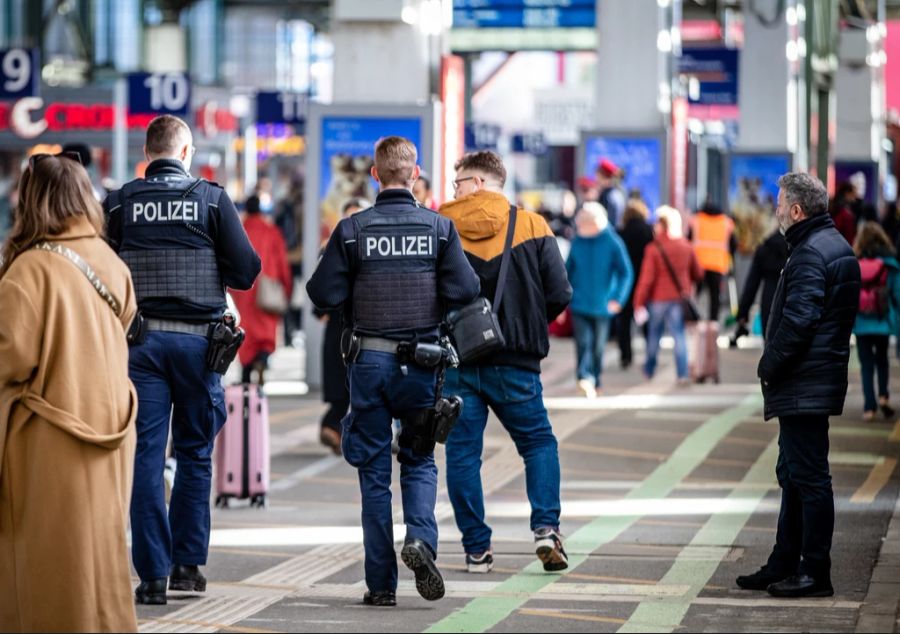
[
  {"x": 395, "y": 270},
  {"x": 183, "y": 241}
]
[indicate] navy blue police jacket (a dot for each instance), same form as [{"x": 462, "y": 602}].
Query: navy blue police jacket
[
  {"x": 804, "y": 365},
  {"x": 183, "y": 241},
  {"x": 394, "y": 270}
]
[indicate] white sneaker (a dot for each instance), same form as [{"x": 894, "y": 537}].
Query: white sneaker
[{"x": 587, "y": 387}]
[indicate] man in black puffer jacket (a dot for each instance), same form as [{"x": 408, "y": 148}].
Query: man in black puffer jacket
[{"x": 804, "y": 381}]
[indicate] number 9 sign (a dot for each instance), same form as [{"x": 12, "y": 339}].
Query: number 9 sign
[
  {"x": 19, "y": 68},
  {"x": 159, "y": 93}
]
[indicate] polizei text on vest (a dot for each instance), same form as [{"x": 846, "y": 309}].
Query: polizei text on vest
[
  {"x": 166, "y": 211},
  {"x": 399, "y": 246}
]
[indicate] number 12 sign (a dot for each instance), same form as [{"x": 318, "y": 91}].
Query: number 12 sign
[
  {"x": 19, "y": 73},
  {"x": 159, "y": 93}
]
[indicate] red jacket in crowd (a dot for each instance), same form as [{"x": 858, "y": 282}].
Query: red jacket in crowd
[
  {"x": 655, "y": 283},
  {"x": 845, "y": 222},
  {"x": 261, "y": 327}
]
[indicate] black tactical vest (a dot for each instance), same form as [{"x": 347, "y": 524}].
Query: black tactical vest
[
  {"x": 166, "y": 243},
  {"x": 395, "y": 286}
]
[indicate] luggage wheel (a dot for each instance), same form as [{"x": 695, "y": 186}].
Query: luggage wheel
[
  {"x": 259, "y": 501},
  {"x": 222, "y": 502}
]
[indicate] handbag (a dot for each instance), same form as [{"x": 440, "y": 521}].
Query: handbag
[
  {"x": 270, "y": 297},
  {"x": 689, "y": 310},
  {"x": 475, "y": 328}
]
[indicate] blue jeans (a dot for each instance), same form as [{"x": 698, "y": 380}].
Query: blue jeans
[
  {"x": 172, "y": 382},
  {"x": 666, "y": 315},
  {"x": 873, "y": 353},
  {"x": 515, "y": 396},
  {"x": 591, "y": 335},
  {"x": 379, "y": 392}
]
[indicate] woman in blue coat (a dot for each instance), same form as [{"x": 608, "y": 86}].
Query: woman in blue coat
[
  {"x": 601, "y": 276},
  {"x": 877, "y": 319}
]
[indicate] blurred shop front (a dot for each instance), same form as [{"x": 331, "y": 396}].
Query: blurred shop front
[{"x": 61, "y": 116}]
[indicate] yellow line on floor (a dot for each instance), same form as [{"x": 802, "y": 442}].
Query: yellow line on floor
[
  {"x": 602, "y": 430},
  {"x": 878, "y": 478},
  {"x": 252, "y": 553},
  {"x": 895, "y": 437},
  {"x": 556, "y": 614},
  {"x": 614, "y": 451},
  {"x": 219, "y": 626}
]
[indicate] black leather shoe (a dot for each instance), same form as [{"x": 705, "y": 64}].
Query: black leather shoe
[
  {"x": 386, "y": 599},
  {"x": 761, "y": 579},
  {"x": 418, "y": 558},
  {"x": 151, "y": 592},
  {"x": 801, "y": 586},
  {"x": 187, "y": 579}
]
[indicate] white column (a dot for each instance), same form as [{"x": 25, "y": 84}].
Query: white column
[
  {"x": 630, "y": 67},
  {"x": 772, "y": 92},
  {"x": 860, "y": 96},
  {"x": 384, "y": 50}
]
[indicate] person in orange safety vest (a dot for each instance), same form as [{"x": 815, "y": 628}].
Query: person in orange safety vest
[{"x": 712, "y": 234}]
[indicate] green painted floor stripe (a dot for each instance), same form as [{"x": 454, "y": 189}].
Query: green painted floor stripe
[
  {"x": 664, "y": 614},
  {"x": 483, "y": 613}
]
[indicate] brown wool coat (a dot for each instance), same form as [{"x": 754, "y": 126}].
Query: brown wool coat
[{"x": 67, "y": 440}]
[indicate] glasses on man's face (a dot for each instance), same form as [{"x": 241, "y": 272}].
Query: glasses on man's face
[
  {"x": 458, "y": 181},
  {"x": 34, "y": 159}
]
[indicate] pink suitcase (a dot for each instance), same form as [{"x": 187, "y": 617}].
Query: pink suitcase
[
  {"x": 242, "y": 447},
  {"x": 705, "y": 358}
]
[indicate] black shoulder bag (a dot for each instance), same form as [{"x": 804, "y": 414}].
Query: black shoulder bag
[
  {"x": 476, "y": 327},
  {"x": 688, "y": 308}
]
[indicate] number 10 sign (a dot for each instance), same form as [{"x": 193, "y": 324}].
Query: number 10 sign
[
  {"x": 159, "y": 93},
  {"x": 19, "y": 73}
]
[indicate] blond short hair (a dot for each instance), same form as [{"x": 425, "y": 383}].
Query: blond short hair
[
  {"x": 395, "y": 160},
  {"x": 166, "y": 135},
  {"x": 670, "y": 218}
]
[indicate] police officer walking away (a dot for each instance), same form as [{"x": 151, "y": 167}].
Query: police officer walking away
[
  {"x": 183, "y": 241},
  {"x": 395, "y": 269}
]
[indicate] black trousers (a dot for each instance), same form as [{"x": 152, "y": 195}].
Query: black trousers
[
  {"x": 806, "y": 520},
  {"x": 712, "y": 282},
  {"x": 623, "y": 332}
]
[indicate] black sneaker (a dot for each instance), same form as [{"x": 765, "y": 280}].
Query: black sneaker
[
  {"x": 418, "y": 558},
  {"x": 151, "y": 592},
  {"x": 549, "y": 549},
  {"x": 187, "y": 579},
  {"x": 801, "y": 586},
  {"x": 480, "y": 563},
  {"x": 385, "y": 599},
  {"x": 761, "y": 579}
]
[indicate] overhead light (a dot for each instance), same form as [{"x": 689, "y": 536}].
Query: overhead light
[{"x": 409, "y": 15}]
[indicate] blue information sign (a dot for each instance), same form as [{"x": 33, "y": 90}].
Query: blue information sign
[
  {"x": 753, "y": 195},
  {"x": 348, "y": 148},
  {"x": 529, "y": 143},
  {"x": 524, "y": 14},
  {"x": 482, "y": 136},
  {"x": 19, "y": 73},
  {"x": 716, "y": 73},
  {"x": 281, "y": 107},
  {"x": 641, "y": 159},
  {"x": 159, "y": 93}
]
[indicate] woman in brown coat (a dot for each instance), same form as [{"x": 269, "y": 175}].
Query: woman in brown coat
[{"x": 67, "y": 414}]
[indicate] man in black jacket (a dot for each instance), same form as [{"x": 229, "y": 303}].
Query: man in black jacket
[
  {"x": 804, "y": 381},
  {"x": 393, "y": 270},
  {"x": 182, "y": 239}
]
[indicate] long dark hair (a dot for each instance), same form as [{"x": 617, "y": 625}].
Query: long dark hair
[
  {"x": 53, "y": 190},
  {"x": 873, "y": 242}
]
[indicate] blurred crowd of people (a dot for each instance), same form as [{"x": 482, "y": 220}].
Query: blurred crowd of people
[{"x": 639, "y": 271}]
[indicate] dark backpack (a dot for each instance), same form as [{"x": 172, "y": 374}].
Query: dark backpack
[{"x": 873, "y": 292}]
